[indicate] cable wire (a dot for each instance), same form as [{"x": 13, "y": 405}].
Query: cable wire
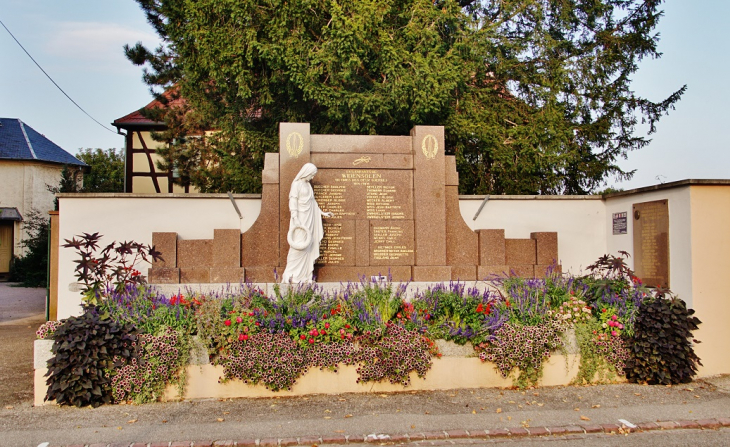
[{"x": 51, "y": 79}]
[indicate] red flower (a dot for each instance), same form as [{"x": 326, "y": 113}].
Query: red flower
[
  {"x": 347, "y": 326},
  {"x": 240, "y": 337},
  {"x": 257, "y": 323},
  {"x": 322, "y": 332},
  {"x": 311, "y": 341},
  {"x": 303, "y": 337},
  {"x": 480, "y": 308},
  {"x": 326, "y": 325},
  {"x": 227, "y": 322}
]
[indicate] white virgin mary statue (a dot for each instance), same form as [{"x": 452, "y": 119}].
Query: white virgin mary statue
[{"x": 305, "y": 228}]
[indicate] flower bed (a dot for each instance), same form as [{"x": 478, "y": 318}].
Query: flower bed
[{"x": 362, "y": 337}]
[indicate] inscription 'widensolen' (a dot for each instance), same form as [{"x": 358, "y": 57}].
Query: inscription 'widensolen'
[{"x": 366, "y": 195}]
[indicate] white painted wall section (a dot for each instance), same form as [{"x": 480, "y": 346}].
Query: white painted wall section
[{"x": 680, "y": 229}]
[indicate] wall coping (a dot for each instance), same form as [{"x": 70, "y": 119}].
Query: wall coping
[
  {"x": 128, "y": 195},
  {"x": 670, "y": 185}
]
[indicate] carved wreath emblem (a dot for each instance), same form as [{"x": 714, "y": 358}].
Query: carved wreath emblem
[
  {"x": 430, "y": 146},
  {"x": 294, "y": 144}
]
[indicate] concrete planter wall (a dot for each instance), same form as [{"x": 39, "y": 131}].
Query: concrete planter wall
[{"x": 457, "y": 368}]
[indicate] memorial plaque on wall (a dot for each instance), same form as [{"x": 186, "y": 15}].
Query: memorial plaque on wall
[
  {"x": 651, "y": 242},
  {"x": 620, "y": 224},
  {"x": 365, "y": 193}
]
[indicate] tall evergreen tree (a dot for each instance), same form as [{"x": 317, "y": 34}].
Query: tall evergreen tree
[{"x": 535, "y": 95}]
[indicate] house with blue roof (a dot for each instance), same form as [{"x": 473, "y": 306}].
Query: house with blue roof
[{"x": 29, "y": 163}]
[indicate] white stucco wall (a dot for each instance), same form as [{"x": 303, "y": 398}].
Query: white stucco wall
[
  {"x": 23, "y": 185},
  {"x": 578, "y": 220},
  {"x": 136, "y": 216},
  {"x": 680, "y": 228},
  {"x": 124, "y": 217}
]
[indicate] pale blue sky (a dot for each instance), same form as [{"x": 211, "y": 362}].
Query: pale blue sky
[{"x": 79, "y": 43}]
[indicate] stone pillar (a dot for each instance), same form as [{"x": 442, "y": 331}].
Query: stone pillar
[
  {"x": 260, "y": 244},
  {"x": 52, "y": 310},
  {"x": 165, "y": 271},
  {"x": 429, "y": 194}
]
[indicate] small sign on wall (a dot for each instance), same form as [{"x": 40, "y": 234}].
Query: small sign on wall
[{"x": 620, "y": 225}]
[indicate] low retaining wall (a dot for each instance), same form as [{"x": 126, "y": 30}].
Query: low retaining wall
[{"x": 453, "y": 370}]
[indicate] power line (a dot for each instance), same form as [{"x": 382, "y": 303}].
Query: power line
[{"x": 51, "y": 79}]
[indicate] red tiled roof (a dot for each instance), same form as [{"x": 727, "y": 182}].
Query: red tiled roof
[{"x": 136, "y": 117}]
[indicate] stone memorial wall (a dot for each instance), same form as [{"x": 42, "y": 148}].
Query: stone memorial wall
[{"x": 395, "y": 207}]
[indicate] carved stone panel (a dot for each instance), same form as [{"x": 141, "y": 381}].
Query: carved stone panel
[
  {"x": 391, "y": 242},
  {"x": 365, "y": 193}
]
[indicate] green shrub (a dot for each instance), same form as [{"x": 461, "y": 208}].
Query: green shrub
[
  {"x": 31, "y": 269},
  {"x": 661, "y": 347},
  {"x": 85, "y": 349}
]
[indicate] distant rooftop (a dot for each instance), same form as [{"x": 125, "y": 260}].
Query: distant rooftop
[
  {"x": 136, "y": 118},
  {"x": 19, "y": 141}
]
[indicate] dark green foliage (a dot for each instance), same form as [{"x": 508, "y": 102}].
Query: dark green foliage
[
  {"x": 70, "y": 182},
  {"x": 107, "y": 170},
  {"x": 535, "y": 96},
  {"x": 661, "y": 348},
  {"x": 31, "y": 269},
  {"x": 85, "y": 350}
]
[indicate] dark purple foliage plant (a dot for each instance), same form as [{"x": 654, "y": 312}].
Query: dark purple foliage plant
[{"x": 112, "y": 266}]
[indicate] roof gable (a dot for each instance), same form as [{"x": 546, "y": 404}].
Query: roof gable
[{"x": 19, "y": 141}]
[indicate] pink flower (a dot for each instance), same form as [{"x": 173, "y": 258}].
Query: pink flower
[
  {"x": 239, "y": 319},
  {"x": 614, "y": 333}
]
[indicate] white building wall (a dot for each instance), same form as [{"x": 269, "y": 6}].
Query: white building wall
[
  {"x": 23, "y": 185},
  {"x": 680, "y": 229}
]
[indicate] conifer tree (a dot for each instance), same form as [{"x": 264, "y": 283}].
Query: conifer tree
[{"x": 535, "y": 95}]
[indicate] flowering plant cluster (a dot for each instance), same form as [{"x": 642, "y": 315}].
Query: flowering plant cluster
[
  {"x": 575, "y": 311},
  {"x": 273, "y": 340},
  {"x": 47, "y": 330},
  {"x": 393, "y": 354},
  {"x": 523, "y": 348},
  {"x": 158, "y": 361},
  {"x": 610, "y": 322}
]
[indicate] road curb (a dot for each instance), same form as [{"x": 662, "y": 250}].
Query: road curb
[{"x": 379, "y": 438}]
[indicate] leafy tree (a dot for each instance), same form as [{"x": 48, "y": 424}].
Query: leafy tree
[
  {"x": 107, "y": 170},
  {"x": 535, "y": 95}
]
